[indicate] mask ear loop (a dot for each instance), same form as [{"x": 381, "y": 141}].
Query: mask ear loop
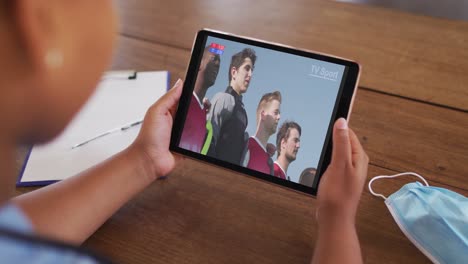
[{"x": 392, "y": 176}]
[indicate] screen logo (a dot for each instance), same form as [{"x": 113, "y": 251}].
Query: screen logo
[
  {"x": 217, "y": 48},
  {"x": 323, "y": 73}
]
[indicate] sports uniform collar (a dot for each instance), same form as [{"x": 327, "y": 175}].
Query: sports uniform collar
[{"x": 232, "y": 92}]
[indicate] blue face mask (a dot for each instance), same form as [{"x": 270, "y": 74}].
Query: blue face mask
[{"x": 434, "y": 219}]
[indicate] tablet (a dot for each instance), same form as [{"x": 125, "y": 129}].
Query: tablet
[{"x": 262, "y": 109}]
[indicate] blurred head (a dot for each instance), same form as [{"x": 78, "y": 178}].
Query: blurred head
[
  {"x": 288, "y": 140},
  {"x": 268, "y": 111},
  {"x": 209, "y": 67},
  {"x": 240, "y": 70},
  {"x": 307, "y": 176},
  {"x": 53, "y": 54}
]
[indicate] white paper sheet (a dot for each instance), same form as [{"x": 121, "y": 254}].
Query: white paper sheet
[{"x": 117, "y": 102}]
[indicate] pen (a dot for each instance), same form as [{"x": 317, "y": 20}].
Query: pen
[
  {"x": 131, "y": 125},
  {"x": 107, "y": 133}
]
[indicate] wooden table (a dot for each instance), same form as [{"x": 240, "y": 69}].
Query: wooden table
[{"x": 410, "y": 114}]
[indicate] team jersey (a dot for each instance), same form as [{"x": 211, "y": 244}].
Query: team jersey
[
  {"x": 278, "y": 171},
  {"x": 194, "y": 132},
  {"x": 229, "y": 121},
  {"x": 258, "y": 157}
]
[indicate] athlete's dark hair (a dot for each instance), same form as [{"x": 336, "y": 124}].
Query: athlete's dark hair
[{"x": 238, "y": 58}]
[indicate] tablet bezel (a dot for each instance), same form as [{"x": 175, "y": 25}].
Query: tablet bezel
[{"x": 342, "y": 107}]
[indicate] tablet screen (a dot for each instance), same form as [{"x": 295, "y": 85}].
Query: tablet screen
[{"x": 267, "y": 110}]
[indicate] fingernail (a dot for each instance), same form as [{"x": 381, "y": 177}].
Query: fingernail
[
  {"x": 178, "y": 82},
  {"x": 341, "y": 123}
]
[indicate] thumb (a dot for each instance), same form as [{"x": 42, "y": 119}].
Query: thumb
[
  {"x": 341, "y": 145},
  {"x": 170, "y": 100},
  {"x": 176, "y": 90}
]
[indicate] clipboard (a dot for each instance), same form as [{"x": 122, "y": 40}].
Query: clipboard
[{"x": 120, "y": 101}]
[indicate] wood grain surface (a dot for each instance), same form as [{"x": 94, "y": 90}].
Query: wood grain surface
[{"x": 417, "y": 57}]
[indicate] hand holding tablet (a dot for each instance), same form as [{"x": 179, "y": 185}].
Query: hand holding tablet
[{"x": 262, "y": 96}]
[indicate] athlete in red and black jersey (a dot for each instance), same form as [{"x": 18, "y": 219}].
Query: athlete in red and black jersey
[{"x": 194, "y": 133}]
